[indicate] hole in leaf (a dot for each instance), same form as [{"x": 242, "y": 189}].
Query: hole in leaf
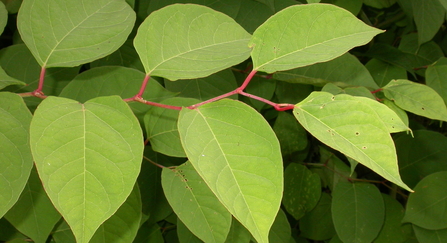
[
  {"x": 423, "y": 108},
  {"x": 357, "y": 133},
  {"x": 364, "y": 147}
]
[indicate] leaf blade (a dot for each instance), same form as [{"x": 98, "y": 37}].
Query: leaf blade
[
  {"x": 226, "y": 141},
  {"x": 72, "y": 143},
  {"x": 314, "y": 39},
  {"x": 351, "y": 126},
  {"x": 74, "y": 32},
  {"x": 184, "y": 41}
]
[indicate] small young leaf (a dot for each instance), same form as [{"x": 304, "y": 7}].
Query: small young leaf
[
  {"x": 88, "y": 157},
  {"x": 358, "y": 211},
  {"x": 416, "y": 98},
  {"x": 195, "y": 204},
  {"x": 184, "y": 41},
  {"x": 302, "y": 190},
  {"x": 356, "y": 126},
  {"x": 305, "y": 34},
  {"x": 73, "y": 32},
  {"x": 34, "y": 214},
  {"x": 15, "y": 155},
  {"x": 228, "y": 142},
  {"x": 426, "y": 206}
]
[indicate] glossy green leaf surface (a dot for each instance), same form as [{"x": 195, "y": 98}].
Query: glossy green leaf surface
[
  {"x": 416, "y": 98},
  {"x": 428, "y": 16},
  {"x": 15, "y": 155},
  {"x": 123, "y": 225},
  {"x": 302, "y": 190},
  {"x": 34, "y": 214},
  {"x": 345, "y": 70},
  {"x": 184, "y": 41},
  {"x": 420, "y": 155},
  {"x": 195, "y": 204},
  {"x": 317, "y": 224},
  {"x": 358, "y": 211},
  {"x": 426, "y": 206},
  {"x": 227, "y": 142},
  {"x": 161, "y": 127},
  {"x": 88, "y": 157},
  {"x": 294, "y": 37},
  {"x": 73, "y": 32},
  {"x": 356, "y": 126}
]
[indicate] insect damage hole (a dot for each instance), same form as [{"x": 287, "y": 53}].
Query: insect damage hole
[
  {"x": 357, "y": 133},
  {"x": 364, "y": 147}
]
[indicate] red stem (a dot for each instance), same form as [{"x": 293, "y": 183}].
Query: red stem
[
  {"x": 143, "y": 86},
  {"x": 376, "y": 91}
]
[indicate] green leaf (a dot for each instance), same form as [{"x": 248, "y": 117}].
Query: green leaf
[
  {"x": 123, "y": 225},
  {"x": 281, "y": 231},
  {"x": 227, "y": 142},
  {"x": 3, "y": 17},
  {"x": 358, "y": 211},
  {"x": 428, "y": 16},
  {"x": 122, "y": 81},
  {"x": 280, "y": 45},
  {"x": 436, "y": 77},
  {"x": 73, "y": 32},
  {"x": 343, "y": 71},
  {"x": 429, "y": 51},
  {"x": 302, "y": 190},
  {"x": 396, "y": 57},
  {"x": 317, "y": 224},
  {"x": 261, "y": 87},
  {"x": 185, "y": 235},
  {"x": 238, "y": 233},
  {"x": 6, "y": 80},
  {"x": 291, "y": 135},
  {"x": 195, "y": 204},
  {"x": 34, "y": 214},
  {"x": 205, "y": 88},
  {"x": 426, "y": 206},
  {"x": 149, "y": 232},
  {"x": 161, "y": 127},
  {"x": 15, "y": 155},
  {"x": 383, "y": 72},
  {"x": 430, "y": 236},
  {"x": 416, "y": 98},
  {"x": 393, "y": 230},
  {"x": 62, "y": 233},
  {"x": 72, "y": 144},
  {"x": 356, "y": 126},
  {"x": 184, "y": 41},
  {"x": 420, "y": 155},
  {"x": 125, "y": 56}
]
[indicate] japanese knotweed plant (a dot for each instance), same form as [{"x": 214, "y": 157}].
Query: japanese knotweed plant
[{"x": 108, "y": 99}]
